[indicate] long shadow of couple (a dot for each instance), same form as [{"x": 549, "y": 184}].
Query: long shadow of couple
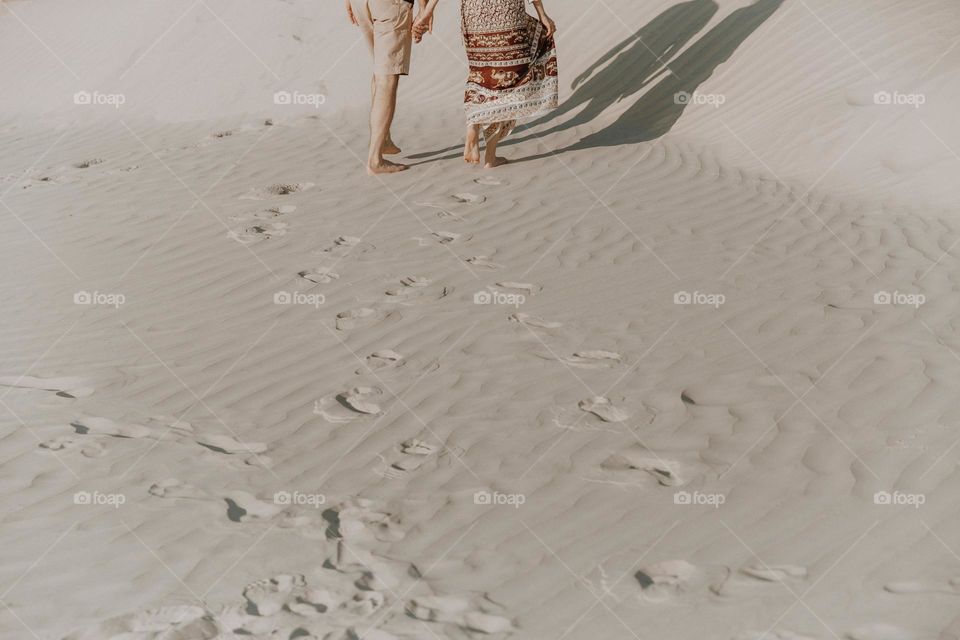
[{"x": 640, "y": 60}]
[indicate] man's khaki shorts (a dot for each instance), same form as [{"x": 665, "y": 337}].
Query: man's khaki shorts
[{"x": 387, "y": 26}]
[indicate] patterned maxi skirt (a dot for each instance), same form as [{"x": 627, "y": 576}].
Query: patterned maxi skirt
[{"x": 513, "y": 65}]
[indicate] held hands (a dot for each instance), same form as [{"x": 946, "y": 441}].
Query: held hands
[{"x": 422, "y": 25}]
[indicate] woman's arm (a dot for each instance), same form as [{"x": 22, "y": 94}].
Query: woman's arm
[{"x": 544, "y": 18}]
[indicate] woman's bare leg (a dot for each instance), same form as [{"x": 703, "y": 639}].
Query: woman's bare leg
[
  {"x": 471, "y": 150},
  {"x": 491, "y": 159}
]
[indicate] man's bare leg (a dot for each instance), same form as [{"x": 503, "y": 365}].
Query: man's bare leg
[
  {"x": 471, "y": 150},
  {"x": 389, "y": 147},
  {"x": 381, "y": 117}
]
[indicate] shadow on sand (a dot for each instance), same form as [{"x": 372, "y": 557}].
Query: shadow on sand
[{"x": 638, "y": 62}]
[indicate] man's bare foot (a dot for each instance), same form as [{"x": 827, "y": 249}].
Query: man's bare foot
[
  {"x": 390, "y": 149},
  {"x": 471, "y": 150},
  {"x": 495, "y": 162},
  {"x": 385, "y": 166}
]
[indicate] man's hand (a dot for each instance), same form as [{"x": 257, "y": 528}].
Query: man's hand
[{"x": 353, "y": 18}]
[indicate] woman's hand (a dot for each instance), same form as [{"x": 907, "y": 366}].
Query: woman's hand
[
  {"x": 549, "y": 24},
  {"x": 353, "y": 18},
  {"x": 544, "y": 18}
]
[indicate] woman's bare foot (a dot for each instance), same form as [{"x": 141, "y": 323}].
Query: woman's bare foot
[
  {"x": 385, "y": 166},
  {"x": 491, "y": 159},
  {"x": 471, "y": 150},
  {"x": 390, "y": 149}
]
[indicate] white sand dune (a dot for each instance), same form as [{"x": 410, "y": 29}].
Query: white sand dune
[{"x": 681, "y": 371}]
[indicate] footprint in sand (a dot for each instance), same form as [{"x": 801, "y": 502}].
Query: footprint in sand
[
  {"x": 258, "y": 232},
  {"x": 414, "y": 454},
  {"x": 483, "y": 262},
  {"x": 86, "y": 164},
  {"x": 275, "y": 190},
  {"x": 345, "y": 245},
  {"x": 107, "y": 427},
  {"x": 66, "y": 387},
  {"x": 319, "y": 275},
  {"x": 266, "y": 214},
  {"x": 268, "y": 597},
  {"x": 349, "y": 405},
  {"x": 624, "y": 466},
  {"x": 469, "y": 198},
  {"x": 66, "y": 443},
  {"x": 664, "y": 580},
  {"x": 521, "y": 287},
  {"x": 174, "y": 488},
  {"x": 448, "y": 237},
  {"x": 230, "y": 445},
  {"x": 604, "y": 409},
  {"x": 595, "y": 359},
  {"x": 382, "y": 359},
  {"x": 416, "y": 289},
  {"x": 457, "y": 610},
  {"x": 950, "y": 587},
  {"x": 491, "y": 181},
  {"x": 362, "y": 399},
  {"x": 246, "y": 507},
  {"x": 534, "y": 321},
  {"x": 441, "y": 210},
  {"x": 775, "y": 573},
  {"x": 757, "y": 575},
  {"x": 363, "y": 317}
]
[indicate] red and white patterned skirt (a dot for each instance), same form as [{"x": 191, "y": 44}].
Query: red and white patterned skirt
[{"x": 513, "y": 64}]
